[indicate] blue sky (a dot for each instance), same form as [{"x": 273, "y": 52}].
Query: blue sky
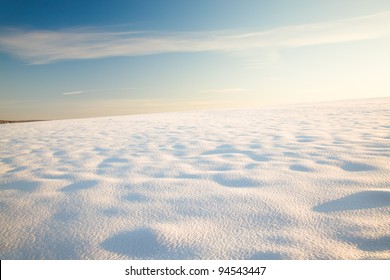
[{"x": 71, "y": 59}]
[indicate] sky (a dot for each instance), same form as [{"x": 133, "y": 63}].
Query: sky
[{"x": 81, "y": 58}]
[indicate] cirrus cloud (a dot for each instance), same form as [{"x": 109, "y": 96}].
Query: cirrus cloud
[
  {"x": 44, "y": 46},
  {"x": 225, "y": 90},
  {"x": 73, "y": 92}
]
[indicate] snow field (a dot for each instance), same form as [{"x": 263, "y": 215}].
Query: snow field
[{"x": 285, "y": 182}]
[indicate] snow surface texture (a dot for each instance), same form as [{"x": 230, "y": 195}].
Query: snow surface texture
[{"x": 285, "y": 182}]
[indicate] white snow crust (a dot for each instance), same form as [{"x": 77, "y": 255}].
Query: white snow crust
[{"x": 307, "y": 181}]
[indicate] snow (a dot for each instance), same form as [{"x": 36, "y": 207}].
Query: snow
[{"x": 285, "y": 182}]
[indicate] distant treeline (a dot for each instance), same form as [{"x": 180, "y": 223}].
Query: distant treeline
[{"x": 5, "y": 122}]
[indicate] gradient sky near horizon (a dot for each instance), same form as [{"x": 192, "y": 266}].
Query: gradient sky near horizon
[{"x": 72, "y": 59}]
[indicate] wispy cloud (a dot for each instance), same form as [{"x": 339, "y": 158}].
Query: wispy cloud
[
  {"x": 42, "y": 46},
  {"x": 72, "y": 92},
  {"x": 225, "y": 90},
  {"x": 96, "y": 90}
]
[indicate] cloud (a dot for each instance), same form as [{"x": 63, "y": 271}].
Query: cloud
[
  {"x": 72, "y": 92},
  {"x": 43, "y": 46},
  {"x": 225, "y": 90},
  {"x": 96, "y": 90}
]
